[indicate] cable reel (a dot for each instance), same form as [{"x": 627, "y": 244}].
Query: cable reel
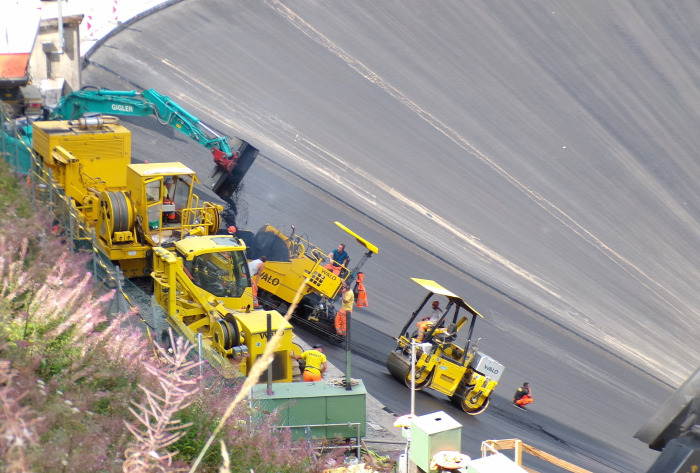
[
  {"x": 117, "y": 217},
  {"x": 226, "y": 335}
]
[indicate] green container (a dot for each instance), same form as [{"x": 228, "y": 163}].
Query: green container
[
  {"x": 433, "y": 433},
  {"x": 315, "y": 404}
]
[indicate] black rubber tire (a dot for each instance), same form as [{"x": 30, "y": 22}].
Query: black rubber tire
[
  {"x": 419, "y": 385},
  {"x": 470, "y": 409}
]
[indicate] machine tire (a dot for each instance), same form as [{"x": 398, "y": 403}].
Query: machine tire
[
  {"x": 420, "y": 383},
  {"x": 398, "y": 366},
  {"x": 468, "y": 407}
]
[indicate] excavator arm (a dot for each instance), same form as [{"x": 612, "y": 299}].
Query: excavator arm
[{"x": 232, "y": 160}]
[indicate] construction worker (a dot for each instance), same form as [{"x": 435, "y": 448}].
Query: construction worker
[
  {"x": 315, "y": 363},
  {"x": 339, "y": 258},
  {"x": 523, "y": 396},
  {"x": 341, "y": 317},
  {"x": 426, "y": 323},
  {"x": 169, "y": 215},
  {"x": 255, "y": 268}
]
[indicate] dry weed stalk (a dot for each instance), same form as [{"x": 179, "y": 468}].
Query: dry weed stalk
[
  {"x": 254, "y": 374},
  {"x": 158, "y": 428},
  {"x": 226, "y": 462}
]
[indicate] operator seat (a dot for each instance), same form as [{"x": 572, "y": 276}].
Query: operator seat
[
  {"x": 450, "y": 333},
  {"x": 446, "y": 335}
]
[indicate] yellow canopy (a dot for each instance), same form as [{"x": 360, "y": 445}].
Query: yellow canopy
[
  {"x": 436, "y": 288},
  {"x": 359, "y": 239}
]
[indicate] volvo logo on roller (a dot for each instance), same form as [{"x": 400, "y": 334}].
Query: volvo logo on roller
[{"x": 122, "y": 108}]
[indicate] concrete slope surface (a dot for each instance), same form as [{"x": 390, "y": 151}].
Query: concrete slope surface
[{"x": 538, "y": 159}]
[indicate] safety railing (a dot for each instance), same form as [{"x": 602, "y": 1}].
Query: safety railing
[
  {"x": 307, "y": 434},
  {"x": 489, "y": 447}
]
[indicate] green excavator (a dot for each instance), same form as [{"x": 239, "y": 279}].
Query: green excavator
[{"x": 91, "y": 106}]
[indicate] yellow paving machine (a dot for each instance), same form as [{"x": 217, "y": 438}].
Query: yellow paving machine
[
  {"x": 463, "y": 373},
  {"x": 293, "y": 261}
]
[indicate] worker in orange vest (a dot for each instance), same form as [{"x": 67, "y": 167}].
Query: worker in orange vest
[{"x": 523, "y": 396}]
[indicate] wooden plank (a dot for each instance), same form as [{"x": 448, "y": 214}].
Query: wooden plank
[
  {"x": 491, "y": 446},
  {"x": 535, "y": 452}
]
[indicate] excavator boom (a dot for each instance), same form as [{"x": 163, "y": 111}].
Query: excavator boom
[{"x": 232, "y": 158}]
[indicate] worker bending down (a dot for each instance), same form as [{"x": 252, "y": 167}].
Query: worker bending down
[
  {"x": 315, "y": 363},
  {"x": 523, "y": 396},
  {"x": 255, "y": 269}
]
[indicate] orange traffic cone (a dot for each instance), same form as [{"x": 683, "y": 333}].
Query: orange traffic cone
[{"x": 361, "y": 294}]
